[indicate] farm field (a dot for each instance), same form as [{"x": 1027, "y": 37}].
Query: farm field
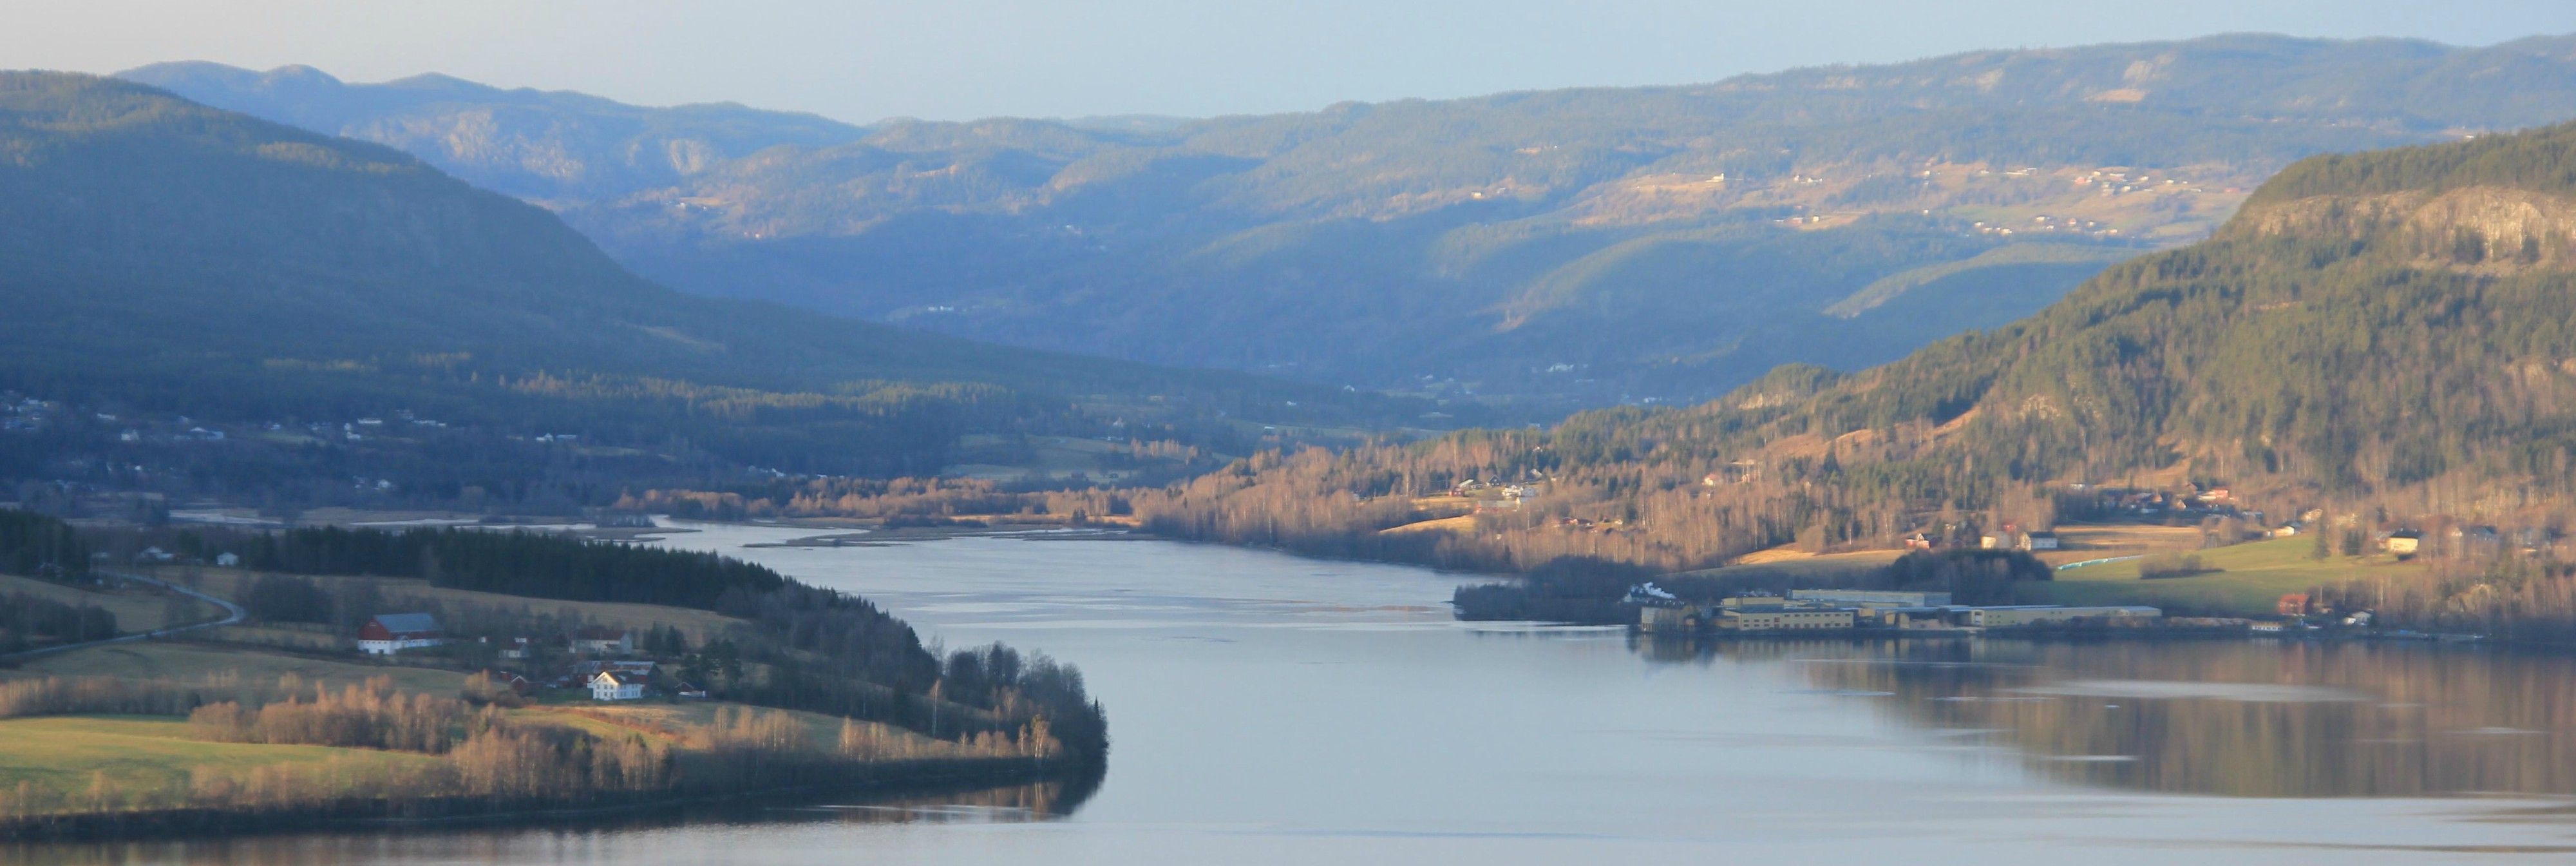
[
  {"x": 191, "y": 662},
  {"x": 1461, "y": 525},
  {"x": 66, "y": 754},
  {"x": 2252, "y": 579},
  {"x": 1778, "y": 564},
  {"x": 135, "y": 611},
  {"x": 614, "y": 720},
  {"x": 2083, "y": 541},
  {"x": 700, "y": 625}
]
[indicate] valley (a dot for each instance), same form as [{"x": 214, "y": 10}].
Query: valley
[
  {"x": 2124, "y": 447},
  {"x": 1548, "y": 250}
]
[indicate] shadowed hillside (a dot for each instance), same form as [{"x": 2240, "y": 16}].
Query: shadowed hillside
[
  {"x": 1575, "y": 247},
  {"x": 168, "y": 259}
]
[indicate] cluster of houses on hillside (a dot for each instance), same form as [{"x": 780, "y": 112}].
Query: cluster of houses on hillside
[
  {"x": 604, "y": 665},
  {"x": 1506, "y": 492},
  {"x": 2011, "y": 537},
  {"x": 2191, "y": 502},
  {"x": 1861, "y": 609}
]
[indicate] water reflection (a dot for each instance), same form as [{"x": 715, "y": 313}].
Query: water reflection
[
  {"x": 2250, "y": 719},
  {"x": 589, "y": 840}
]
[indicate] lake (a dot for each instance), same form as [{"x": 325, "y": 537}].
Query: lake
[{"x": 1271, "y": 709}]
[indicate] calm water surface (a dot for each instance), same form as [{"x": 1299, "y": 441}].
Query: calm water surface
[{"x": 1269, "y": 709}]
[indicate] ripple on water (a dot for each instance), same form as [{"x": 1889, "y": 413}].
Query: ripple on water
[{"x": 2175, "y": 689}]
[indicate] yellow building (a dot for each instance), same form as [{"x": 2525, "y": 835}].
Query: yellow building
[{"x": 2405, "y": 543}]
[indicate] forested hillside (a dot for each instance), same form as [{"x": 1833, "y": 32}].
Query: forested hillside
[
  {"x": 2389, "y": 335},
  {"x": 1574, "y": 247},
  {"x": 210, "y": 272}
]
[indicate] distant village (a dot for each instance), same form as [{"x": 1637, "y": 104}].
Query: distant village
[{"x": 602, "y": 659}]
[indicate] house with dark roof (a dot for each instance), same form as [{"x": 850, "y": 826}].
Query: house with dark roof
[
  {"x": 389, "y": 633},
  {"x": 604, "y": 641}
]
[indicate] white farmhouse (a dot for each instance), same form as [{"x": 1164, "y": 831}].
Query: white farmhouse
[{"x": 608, "y": 686}]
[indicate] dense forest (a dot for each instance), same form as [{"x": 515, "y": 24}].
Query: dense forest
[
  {"x": 40, "y": 546},
  {"x": 30, "y": 621},
  {"x": 1582, "y": 246},
  {"x": 2383, "y": 337},
  {"x": 538, "y": 565}
]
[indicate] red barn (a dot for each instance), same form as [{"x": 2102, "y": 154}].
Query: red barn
[{"x": 389, "y": 633}]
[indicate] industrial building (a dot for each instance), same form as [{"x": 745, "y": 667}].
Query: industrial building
[
  {"x": 1904, "y": 598},
  {"x": 1785, "y": 619},
  {"x": 1862, "y": 609},
  {"x": 2006, "y": 617}
]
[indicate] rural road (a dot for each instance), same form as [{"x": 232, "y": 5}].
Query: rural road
[{"x": 233, "y": 613}]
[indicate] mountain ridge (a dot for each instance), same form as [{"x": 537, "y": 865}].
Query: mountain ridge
[
  {"x": 171, "y": 259},
  {"x": 2385, "y": 337},
  {"x": 1712, "y": 227}
]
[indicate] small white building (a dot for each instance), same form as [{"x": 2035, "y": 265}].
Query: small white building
[
  {"x": 602, "y": 641},
  {"x": 228, "y": 560},
  {"x": 608, "y": 686},
  {"x": 518, "y": 648}
]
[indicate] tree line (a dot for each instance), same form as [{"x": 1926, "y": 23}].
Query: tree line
[
  {"x": 28, "y": 621},
  {"x": 40, "y": 546}
]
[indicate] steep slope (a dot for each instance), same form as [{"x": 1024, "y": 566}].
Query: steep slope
[
  {"x": 2390, "y": 333},
  {"x": 1577, "y": 246},
  {"x": 531, "y": 144},
  {"x": 170, "y": 257}
]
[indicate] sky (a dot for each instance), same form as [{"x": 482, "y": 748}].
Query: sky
[{"x": 865, "y": 60}]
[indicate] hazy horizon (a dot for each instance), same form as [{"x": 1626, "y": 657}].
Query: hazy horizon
[{"x": 869, "y": 61}]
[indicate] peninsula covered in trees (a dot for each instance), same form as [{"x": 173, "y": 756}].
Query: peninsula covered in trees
[{"x": 490, "y": 706}]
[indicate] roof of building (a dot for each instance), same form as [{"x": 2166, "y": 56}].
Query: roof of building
[{"x": 401, "y": 623}]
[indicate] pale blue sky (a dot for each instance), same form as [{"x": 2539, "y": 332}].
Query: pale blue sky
[{"x": 861, "y": 60}]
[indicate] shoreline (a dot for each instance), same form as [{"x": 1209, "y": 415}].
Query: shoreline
[{"x": 905, "y": 780}]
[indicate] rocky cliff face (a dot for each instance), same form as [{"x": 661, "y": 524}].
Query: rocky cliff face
[{"x": 2480, "y": 229}]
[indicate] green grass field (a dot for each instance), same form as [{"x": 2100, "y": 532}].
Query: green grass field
[
  {"x": 2253, "y": 578},
  {"x": 700, "y": 625},
  {"x": 135, "y": 611},
  {"x": 61, "y": 755},
  {"x": 190, "y": 662}
]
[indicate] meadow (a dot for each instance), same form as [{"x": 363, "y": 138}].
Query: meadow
[
  {"x": 135, "y": 611},
  {"x": 2250, "y": 579},
  {"x": 118, "y": 757}
]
